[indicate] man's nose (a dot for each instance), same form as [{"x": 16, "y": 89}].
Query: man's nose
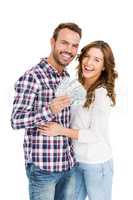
[{"x": 69, "y": 49}]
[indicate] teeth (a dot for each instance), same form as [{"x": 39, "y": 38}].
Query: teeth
[
  {"x": 88, "y": 68},
  {"x": 66, "y": 55}
]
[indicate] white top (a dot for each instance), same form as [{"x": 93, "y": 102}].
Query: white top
[{"x": 93, "y": 144}]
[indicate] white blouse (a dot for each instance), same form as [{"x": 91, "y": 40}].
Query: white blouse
[{"x": 93, "y": 145}]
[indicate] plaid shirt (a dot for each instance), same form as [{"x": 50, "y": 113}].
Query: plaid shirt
[{"x": 34, "y": 90}]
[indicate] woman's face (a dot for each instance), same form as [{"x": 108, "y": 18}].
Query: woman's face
[{"x": 92, "y": 64}]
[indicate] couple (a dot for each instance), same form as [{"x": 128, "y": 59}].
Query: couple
[{"x": 66, "y": 162}]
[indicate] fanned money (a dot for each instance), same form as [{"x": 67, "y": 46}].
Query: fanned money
[{"x": 73, "y": 89}]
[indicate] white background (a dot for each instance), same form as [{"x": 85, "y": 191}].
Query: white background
[{"x": 25, "y": 30}]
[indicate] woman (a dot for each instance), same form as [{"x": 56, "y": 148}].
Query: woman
[{"x": 89, "y": 127}]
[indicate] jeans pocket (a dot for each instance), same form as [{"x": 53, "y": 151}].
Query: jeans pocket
[
  {"x": 41, "y": 176},
  {"x": 36, "y": 171},
  {"x": 28, "y": 169}
]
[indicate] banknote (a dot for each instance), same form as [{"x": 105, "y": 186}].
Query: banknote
[{"x": 72, "y": 88}]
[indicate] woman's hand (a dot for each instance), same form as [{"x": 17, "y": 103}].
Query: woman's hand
[{"x": 51, "y": 129}]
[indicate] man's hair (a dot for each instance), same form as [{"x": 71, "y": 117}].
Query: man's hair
[{"x": 72, "y": 26}]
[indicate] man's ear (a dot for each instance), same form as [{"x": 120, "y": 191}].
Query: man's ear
[{"x": 52, "y": 42}]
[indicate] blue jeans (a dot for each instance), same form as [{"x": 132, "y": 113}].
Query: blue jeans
[
  {"x": 94, "y": 181},
  {"x": 45, "y": 185}
]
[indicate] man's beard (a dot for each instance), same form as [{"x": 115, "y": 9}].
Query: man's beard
[{"x": 57, "y": 60}]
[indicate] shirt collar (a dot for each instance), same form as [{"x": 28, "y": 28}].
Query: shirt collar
[{"x": 44, "y": 63}]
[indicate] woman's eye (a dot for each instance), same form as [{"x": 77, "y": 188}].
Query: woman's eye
[
  {"x": 97, "y": 60},
  {"x": 86, "y": 56}
]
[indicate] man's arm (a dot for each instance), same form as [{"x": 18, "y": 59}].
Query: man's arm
[{"x": 24, "y": 114}]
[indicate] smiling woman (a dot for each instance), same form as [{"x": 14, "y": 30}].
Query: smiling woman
[
  {"x": 89, "y": 123},
  {"x": 92, "y": 65}
]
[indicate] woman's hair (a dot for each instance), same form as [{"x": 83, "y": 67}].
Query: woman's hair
[{"x": 108, "y": 75}]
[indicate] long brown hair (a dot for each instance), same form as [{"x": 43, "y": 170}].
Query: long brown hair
[{"x": 108, "y": 75}]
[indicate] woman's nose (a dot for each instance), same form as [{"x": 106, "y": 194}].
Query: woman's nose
[{"x": 89, "y": 61}]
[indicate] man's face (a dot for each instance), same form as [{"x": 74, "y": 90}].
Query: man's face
[{"x": 64, "y": 49}]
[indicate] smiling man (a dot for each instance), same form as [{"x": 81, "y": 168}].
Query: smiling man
[
  {"x": 50, "y": 163},
  {"x": 64, "y": 48}
]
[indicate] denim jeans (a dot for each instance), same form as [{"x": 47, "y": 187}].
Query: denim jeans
[
  {"x": 45, "y": 185},
  {"x": 94, "y": 181}
]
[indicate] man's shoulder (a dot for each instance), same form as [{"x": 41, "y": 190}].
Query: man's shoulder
[
  {"x": 30, "y": 75},
  {"x": 34, "y": 70}
]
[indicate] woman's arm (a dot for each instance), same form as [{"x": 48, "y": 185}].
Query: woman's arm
[
  {"x": 93, "y": 124},
  {"x": 72, "y": 133},
  {"x": 54, "y": 129},
  {"x": 92, "y": 134}
]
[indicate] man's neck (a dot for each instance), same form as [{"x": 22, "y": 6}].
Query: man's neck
[{"x": 55, "y": 65}]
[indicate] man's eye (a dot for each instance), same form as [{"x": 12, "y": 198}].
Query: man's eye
[
  {"x": 63, "y": 42},
  {"x": 75, "y": 46}
]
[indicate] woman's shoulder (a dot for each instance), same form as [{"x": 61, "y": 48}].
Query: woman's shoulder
[
  {"x": 101, "y": 91},
  {"x": 101, "y": 96}
]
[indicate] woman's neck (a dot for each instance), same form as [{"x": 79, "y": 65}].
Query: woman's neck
[{"x": 89, "y": 82}]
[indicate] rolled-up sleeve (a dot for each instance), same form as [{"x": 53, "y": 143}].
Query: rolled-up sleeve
[{"x": 25, "y": 114}]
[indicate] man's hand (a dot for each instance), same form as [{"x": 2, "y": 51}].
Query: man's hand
[
  {"x": 59, "y": 104},
  {"x": 51, "y": 129}
]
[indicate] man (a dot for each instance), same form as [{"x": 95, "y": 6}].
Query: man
[{"x": 49, "y": 160}]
